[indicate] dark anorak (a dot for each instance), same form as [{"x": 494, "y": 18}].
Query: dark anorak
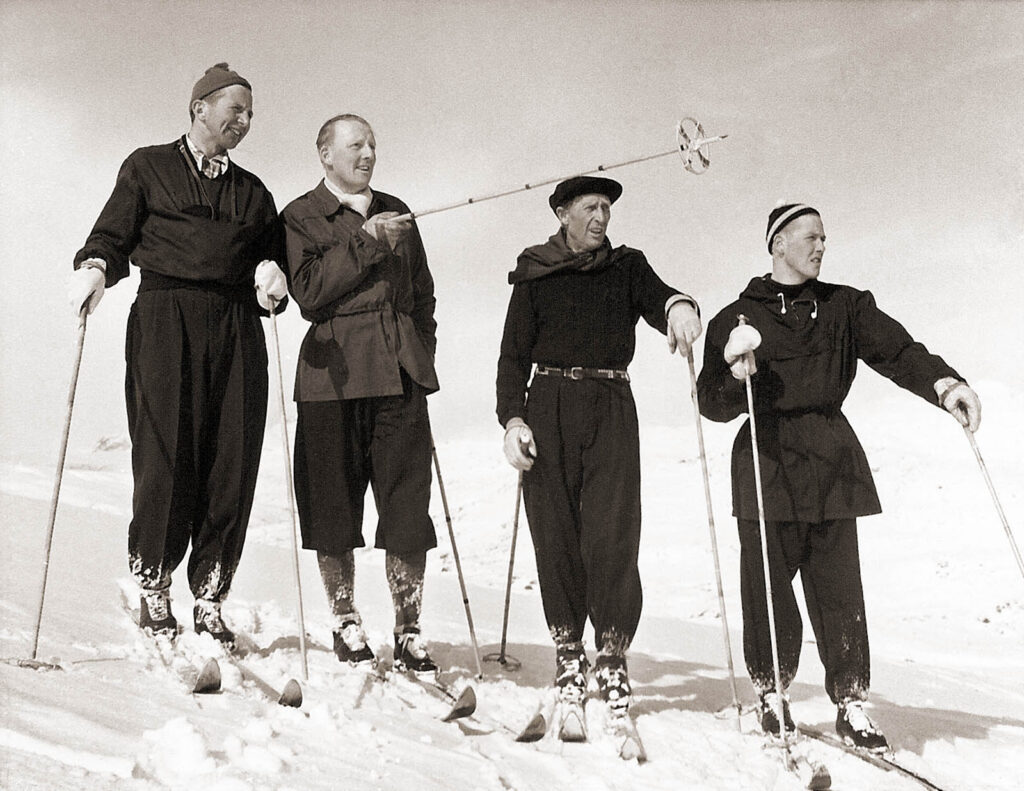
[{"x": 813, "y": 467}]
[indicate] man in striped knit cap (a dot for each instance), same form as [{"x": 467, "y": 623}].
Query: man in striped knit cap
[{"x": 800, "y": 341}]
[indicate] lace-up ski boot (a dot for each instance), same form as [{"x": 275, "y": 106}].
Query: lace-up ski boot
[
  {"x": 350, "y": 645},
  {"x": 411, "y": 653},
  {"x": 571, "y": 672},
  {"x": 855, "y": 727},
  {"x": 155, "y": 616},
  {"x": 769, "y": 714},
  {"x": 207, "y": 619},
  {"x": 612, "y": 678}
]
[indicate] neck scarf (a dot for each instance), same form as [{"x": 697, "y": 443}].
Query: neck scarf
[{"x": 555, "y": 256}]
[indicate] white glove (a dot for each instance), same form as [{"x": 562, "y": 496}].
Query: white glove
[
  {"x": 520, "y": 449},
  {"x": 960, "y": 401},
  {"x": 683, "y": 327},
  {"x": 739, "y": 350},
  {"x": 271, "y": 284},
  {"x": 383, "y": 228},
  {"x": 85, "y": 288}
]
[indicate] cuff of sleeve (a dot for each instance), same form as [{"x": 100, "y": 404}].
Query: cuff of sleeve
[
  {"x": 93, "y": 263},
  {"x": 944, "y": 387},
  {"x": 675, "y": 298},
  {"x": 514, "y": 422}
]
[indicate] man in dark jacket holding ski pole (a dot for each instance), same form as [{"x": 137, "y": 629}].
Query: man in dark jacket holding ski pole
[
  {"x": 359, "y": 273},
  {"x": 573, "y": 313},
  {"x": 205, "y": 234},
  {"x": 801, "y": 347}
]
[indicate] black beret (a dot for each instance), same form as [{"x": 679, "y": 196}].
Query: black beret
[{"x": 584, "y": 185}]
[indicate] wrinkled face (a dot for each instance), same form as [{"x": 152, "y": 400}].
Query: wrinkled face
[
  {"x": 226, "y": 115},
  {"x": 585, "y": 221},
  {"x": 798, "y": 250},
  {"x": 350, "y": 155}
]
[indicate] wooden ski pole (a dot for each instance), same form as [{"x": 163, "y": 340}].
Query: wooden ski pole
[
  {"x": 61, "y": 455},
  {"x": 458, "y": 563},
  {"x": 291, "y": 490},
  {"x": 780, "y": 708},
  {"x": 714, "y": 540},
  {"x": 508, "y": 662},
  {"x": 995, "y": 499}
]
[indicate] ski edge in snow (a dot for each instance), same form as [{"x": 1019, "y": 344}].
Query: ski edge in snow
[{"x": 883, "y": 760}]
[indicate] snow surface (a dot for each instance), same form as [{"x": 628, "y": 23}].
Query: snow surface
[{"x": 945, "y": 607}]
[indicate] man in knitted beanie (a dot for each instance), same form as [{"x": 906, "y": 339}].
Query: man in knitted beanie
[
  {"x": 205, "y": 236},
  {"x": 799, "y": 342}
]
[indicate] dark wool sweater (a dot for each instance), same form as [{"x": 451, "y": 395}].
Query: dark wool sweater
[
  {"x": 584, "y": 316},
  {"x": 813, "y": 468},
  {"x": 176, "y": 225}
]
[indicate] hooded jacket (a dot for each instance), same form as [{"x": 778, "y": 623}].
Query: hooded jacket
[{"x": 813, "y": 467}]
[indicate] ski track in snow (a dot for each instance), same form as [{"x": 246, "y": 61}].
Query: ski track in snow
[{"x": 945, "y": 608}]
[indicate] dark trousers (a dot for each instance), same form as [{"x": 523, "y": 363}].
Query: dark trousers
[
  {"x": 343, "y": 446},
  {"x": 196, "y": 394},
  {"x": 582, "y": 500},
  {"x": 827, "y": 558}
]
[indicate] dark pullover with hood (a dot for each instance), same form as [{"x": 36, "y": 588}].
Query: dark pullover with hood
[{"x": 812, "y": 465}]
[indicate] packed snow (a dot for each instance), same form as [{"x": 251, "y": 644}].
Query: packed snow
[{"x": 945, "y": 606}]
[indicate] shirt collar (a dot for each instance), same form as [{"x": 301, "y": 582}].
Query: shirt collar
[
  {"x": 221, "y": 161},
  {"x": 359, "y": 201}
]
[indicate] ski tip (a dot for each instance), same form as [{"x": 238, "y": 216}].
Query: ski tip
[
  {"x": 464, "y": 706},
  {"x": 209, "y": 678},
  {"x": 535, "y": 729},
  {"x": 633, "y": 752},
  {"x": 820, "y": 779},
  {"x": 33, "y": 664},
  {"x": 291, "y": 695}
]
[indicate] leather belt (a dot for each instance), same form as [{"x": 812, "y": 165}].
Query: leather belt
[{"x": 577, "y": 372}]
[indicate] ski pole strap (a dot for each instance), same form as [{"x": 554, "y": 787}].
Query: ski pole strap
[{"x": 577, "y": 372}]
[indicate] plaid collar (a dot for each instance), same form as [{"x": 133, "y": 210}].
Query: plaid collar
[{"x": 211, "y": 166}]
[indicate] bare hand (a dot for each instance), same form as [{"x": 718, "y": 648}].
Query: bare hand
[{"x": 684, "y": 328}]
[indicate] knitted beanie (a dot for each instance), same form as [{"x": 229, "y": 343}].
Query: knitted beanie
[{"x": 217, "y": 76}]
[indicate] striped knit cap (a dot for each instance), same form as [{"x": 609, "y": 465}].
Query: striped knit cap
[{"x": 781, "y": 216}]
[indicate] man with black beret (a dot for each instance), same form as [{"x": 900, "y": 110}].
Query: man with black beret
[
  {"x": 573, "y": 430},
  {"x": 800, "y": 341},
  {"x": 206, "y": 237}
]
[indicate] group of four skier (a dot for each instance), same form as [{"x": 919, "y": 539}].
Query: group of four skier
[{"x": 215, "y": 256}]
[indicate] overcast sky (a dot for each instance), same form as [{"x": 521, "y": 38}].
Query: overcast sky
[{"x": 899, "y": 121}]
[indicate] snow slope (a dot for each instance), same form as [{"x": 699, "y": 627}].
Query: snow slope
[{"x": 945, "y": 607}]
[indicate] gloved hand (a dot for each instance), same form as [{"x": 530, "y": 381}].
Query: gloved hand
[
  {"x": 270, "y": 283},
  {"x": 520, "y": 449},
  {"x": 960, "y": 401},
  {"x": 85, "y": 288},
  {"x": 739, "y": 350},
  {"x": 683, "y": 327},
  {"x": 383, "y": 228}
]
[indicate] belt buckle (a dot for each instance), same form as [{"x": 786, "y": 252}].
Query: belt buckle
[{"x": 575, "y": 373}]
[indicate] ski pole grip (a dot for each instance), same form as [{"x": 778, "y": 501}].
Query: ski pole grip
[{"x": 748, "y": 358}]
